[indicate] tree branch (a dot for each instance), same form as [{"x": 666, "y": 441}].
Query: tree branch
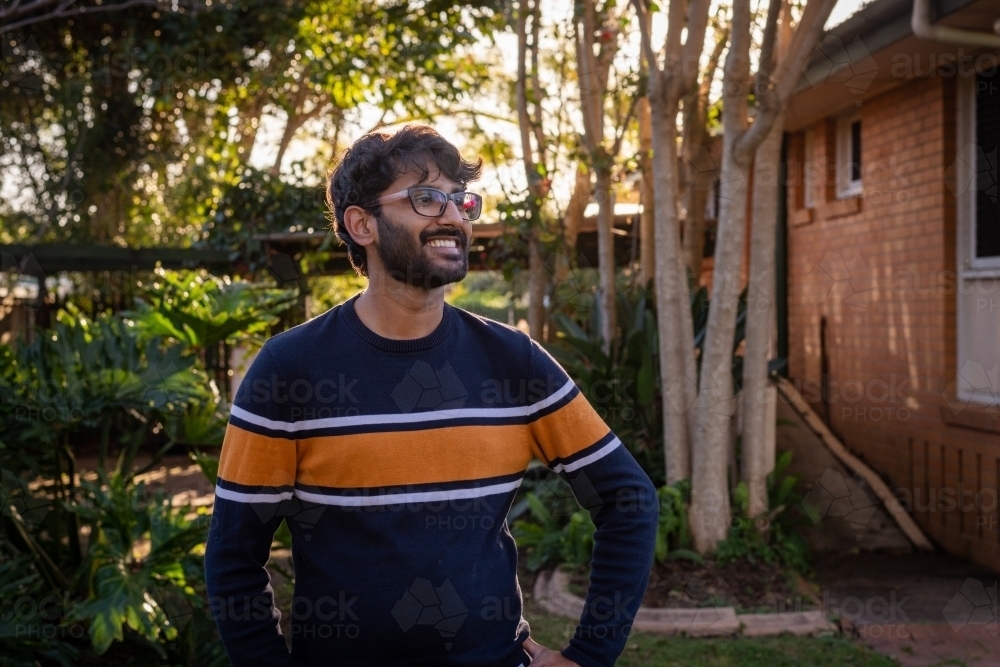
[
  {"x": 645, "y": 39},
  {"x": 804, "y": 42},
  {"x": 765, "y": 65},
  {"x": 697, "y": 22},
  {"x": 63, "y": 11},
  {"x": 524, "y": 120}
]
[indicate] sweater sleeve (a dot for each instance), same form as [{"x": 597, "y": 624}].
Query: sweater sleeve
[
  {"x": 574, "y": 441},
  {"x": 256, "y": 476}
]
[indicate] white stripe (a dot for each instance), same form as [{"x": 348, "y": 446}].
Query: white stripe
[
  {"x": 252, "y": 497},
  {"x": 406, "y": 498},
  {"x": 413, "y": 418},
  {"x": 599, "y": 454}
]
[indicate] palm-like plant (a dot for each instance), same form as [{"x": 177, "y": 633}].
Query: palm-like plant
[
  {"x": 201, "y": 310},
  {"x": 142, "y": 558}
]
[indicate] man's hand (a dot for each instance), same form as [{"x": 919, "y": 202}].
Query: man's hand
[{"x": 543, "y": 657}]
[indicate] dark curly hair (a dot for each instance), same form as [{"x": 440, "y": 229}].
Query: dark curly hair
[{"x": 377, "y": 159}]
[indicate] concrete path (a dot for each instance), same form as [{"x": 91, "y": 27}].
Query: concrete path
[{"x": 927, "y": 645}]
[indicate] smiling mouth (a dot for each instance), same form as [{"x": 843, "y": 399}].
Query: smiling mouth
[{"x": 443, "y": 243}]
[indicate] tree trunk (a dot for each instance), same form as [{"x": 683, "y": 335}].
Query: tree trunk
[
  {"x": 573, "y": 218},
  {"x": 606, "y": 256},
  {"x": 537, "y": 278},
  {"x": 709, "y": 489},
  {"x": 537, "y": 287},
  {"x": 710, "y": 512},
  {"x": 709, "y": 492},
  {"x": 297, "y": 117},
  {"x": 671, "y": 297},
  {"x": 694, "y": 224},
  {"x": 701, "y": 169},
  {"x": 758, "y": 459},
  {"x": 647, "y": 221}
]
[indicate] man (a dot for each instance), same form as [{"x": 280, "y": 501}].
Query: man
[{"x": 392, "y": 432}]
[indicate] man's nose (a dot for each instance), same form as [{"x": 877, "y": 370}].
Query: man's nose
[{"x": 452, "y": 214}]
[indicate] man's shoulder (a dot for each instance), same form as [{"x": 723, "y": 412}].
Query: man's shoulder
[
  {"x": 494, "y": 332},
  {"x": 303, "y": 336}
]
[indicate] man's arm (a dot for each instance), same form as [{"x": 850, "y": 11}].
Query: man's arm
[
  {"x": 575, "y": 442},
  {"x": 256, "y": 474}
]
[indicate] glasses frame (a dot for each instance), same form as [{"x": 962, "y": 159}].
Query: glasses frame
[{"x": 409, "y": 192}]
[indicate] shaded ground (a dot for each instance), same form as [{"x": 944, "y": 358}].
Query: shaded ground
[
  {"x": 852, "y": 518},
  {"x": 761, "y": 587},
  {"x": 749, "y": 587},
  {"x": 920, "y": 608}
]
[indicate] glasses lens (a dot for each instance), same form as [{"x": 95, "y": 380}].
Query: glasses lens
[
  {"x": 471, "y": 206},
  {"x": 428, "y": 201}
]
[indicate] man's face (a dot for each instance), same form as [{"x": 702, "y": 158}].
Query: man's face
[{"x": 418, "y": 250}]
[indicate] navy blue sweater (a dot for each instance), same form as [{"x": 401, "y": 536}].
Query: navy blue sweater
[{"x": 395, "y": 463}]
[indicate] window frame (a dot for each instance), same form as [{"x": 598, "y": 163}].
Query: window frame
[
  {"x": 969, "y": 268},
  {"x": 846, "y": 187},
  {"x": 809, "y": 169},
  {"x": 968, "y": 161}
]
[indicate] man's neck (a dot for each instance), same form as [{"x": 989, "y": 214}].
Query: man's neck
[{"x": 400, "y": 311}]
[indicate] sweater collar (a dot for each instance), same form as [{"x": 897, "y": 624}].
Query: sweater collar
[{"x": 391, "y": 344}]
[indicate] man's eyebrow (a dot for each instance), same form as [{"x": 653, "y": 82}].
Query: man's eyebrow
[{"x": 456, "y": 188}]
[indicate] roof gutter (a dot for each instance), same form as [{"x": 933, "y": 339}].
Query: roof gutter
[{"x": 922, "y": 27}]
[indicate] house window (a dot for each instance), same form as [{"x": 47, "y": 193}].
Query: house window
[
  {"x": 987, "y": 236},
  {"x": 809, "y": 170},
  {"x": 978, "y": 243},
  {"x": 849, "y": 156}
]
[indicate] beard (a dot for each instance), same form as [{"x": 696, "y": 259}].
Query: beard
[{"x": 406, "y": 261}]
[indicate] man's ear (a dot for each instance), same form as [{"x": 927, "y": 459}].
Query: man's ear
[{"x": 360, "y": 225}]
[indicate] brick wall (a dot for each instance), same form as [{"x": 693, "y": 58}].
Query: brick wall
[{"x": 872, "y": 317}]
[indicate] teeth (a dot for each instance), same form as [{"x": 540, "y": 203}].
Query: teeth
[{"x": 443, "y": 243}]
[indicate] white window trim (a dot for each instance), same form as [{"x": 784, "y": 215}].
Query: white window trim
[
  {"x": 846, "y": 187},
  {"x": 969, "y": 268},
  {"x": 966, "y": 187},
  {"x": 809, "y": 170}
]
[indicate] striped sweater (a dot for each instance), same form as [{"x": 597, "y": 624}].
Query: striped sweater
[{"x": 394, "y": 463}]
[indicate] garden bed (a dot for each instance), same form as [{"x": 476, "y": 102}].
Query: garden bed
[{"x": 746, "y": 586}]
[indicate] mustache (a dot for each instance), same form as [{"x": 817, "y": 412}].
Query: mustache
[{"x": 456, "y": 233}]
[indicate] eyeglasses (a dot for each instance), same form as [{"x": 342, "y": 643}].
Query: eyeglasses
[{"x": 431, "y": 202}]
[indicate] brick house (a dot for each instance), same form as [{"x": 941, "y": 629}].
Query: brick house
[{"x": 891, "y": 322}]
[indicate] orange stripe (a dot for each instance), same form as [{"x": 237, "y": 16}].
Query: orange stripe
[
  {"x": 256, "y": 460},
  {"x": 570, "y": 429},
  {"x": 451, "y": 454}
]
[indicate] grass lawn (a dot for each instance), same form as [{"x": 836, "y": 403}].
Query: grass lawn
[{"x": 647, "y": 650}]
